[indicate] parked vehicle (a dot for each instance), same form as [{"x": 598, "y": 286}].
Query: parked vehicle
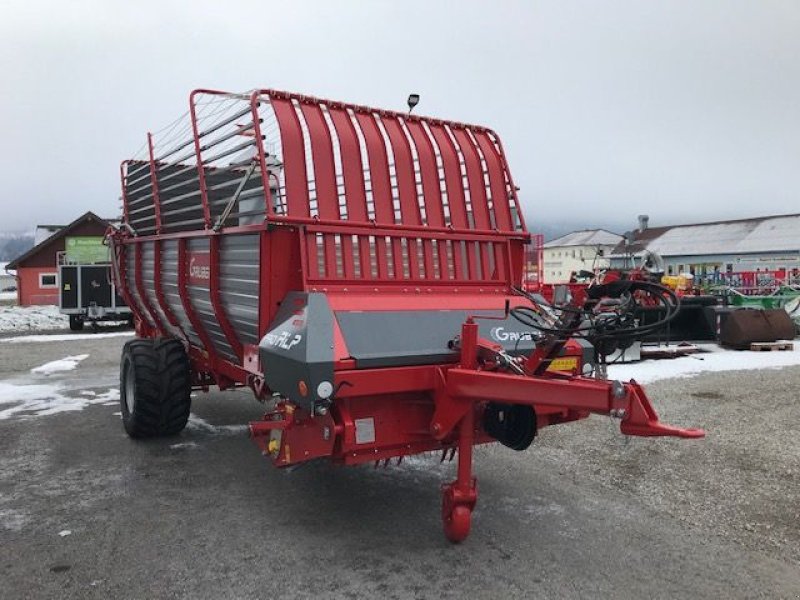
[{"x": 88, "y": 294}]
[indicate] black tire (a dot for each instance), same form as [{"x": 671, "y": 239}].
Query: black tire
[
  {"x": 155, "y": 387},
  {"x": 76, "y": 323}
]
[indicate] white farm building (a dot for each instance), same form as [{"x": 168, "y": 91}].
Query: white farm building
[{"x": 577, "y": 251}]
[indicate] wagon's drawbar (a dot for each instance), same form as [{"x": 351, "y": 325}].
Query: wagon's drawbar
[{"x": 358, "y": 269}]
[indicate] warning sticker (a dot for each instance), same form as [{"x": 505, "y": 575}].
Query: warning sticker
[{"x": 365, "y": 431}]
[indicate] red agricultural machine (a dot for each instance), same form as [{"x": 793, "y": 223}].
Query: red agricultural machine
[{"x": 360, "y": 270}]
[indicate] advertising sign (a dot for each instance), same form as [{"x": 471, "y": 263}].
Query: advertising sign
[{"x": 86, "y": 249}]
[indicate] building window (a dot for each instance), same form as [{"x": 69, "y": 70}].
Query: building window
[{"x": 47, "y": 280}]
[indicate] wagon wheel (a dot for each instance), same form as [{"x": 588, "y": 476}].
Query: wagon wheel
[{"x": 457, "y": 523}]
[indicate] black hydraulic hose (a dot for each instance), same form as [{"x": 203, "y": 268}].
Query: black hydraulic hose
[{"x": 665, "y": 296}]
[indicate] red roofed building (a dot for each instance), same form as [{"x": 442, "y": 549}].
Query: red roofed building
[{"x": 37, "y": 269}]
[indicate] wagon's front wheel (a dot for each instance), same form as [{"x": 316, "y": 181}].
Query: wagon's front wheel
[
  {"x": 457, "y": 524},
  {"x": 155, "y": 387}
]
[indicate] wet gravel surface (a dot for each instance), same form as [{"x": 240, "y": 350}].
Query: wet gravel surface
[
  {"x": 87, "y": 513},
  {"x": 742, "y": 482}
]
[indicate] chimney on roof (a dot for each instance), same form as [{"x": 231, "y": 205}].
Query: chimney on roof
[{"x": 643, "y": 221}]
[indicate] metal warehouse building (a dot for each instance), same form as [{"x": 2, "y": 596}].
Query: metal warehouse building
[{"x": 742, "y": 245}]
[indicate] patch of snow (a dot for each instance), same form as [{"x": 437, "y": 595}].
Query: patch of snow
[
  {"x": 88, "y": 393},
  {"x": 199, "y": 424},
  {"x": 39, "y": 400},
  {"x": 8, "y": 295},
  {"x": 67, "y": 337},
  {"x": 713, "y": 359},
  {"x": 31, "y": 318},
  {"x": 64, "y": 532},
  {"x": 68, "y": 363},
  {"x": 183, "y": 445}
]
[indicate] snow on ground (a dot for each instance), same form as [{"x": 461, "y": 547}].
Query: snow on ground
[
  {"x": 199, "y": 424},
  {"x": 713, "y": 358},
  {"x": 19, "y": 399},
  {"x": 67, "y": 337},
  {"x": 68, "y": 363},
  {"x": 31, "y": 318},
  {"x": 8, "y": 295}
]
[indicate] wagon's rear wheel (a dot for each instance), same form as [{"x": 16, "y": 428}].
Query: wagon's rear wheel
[{"x": 155, "y": 387}]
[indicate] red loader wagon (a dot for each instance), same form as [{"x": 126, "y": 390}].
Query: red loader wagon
[{"x": 358, "y": 270}]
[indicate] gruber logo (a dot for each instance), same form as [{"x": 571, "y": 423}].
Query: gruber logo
[
  {"x": 501, "y": 335},
  {"x": 199, "y": 268}
]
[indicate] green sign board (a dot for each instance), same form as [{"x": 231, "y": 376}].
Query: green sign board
[{"x": 86, "y": 249}]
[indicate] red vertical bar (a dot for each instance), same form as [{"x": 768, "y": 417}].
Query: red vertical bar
[
  {"x": 477, "y": 191},
  {"x": 494, "y": 165},
  {"x": 294, "y": 158},
  {"x": 399, "y": 256},
  {"x": 137, "y": 276},
  {"x": 324, "y": 169},
  {"x": 512, "y": 189},
  {"x": 348, "y": 259},
  {"x": 201, "y": 175},
  {"x": 378, "y": 168},
  {"x": 352, "y": 167},
  {"x": 381, "y": 257},
  {"x": 452, "y": 177},
  {"x": 483, "y": 252},
  {"x": 365, "y": 257},
  {"x": 255, "y": 103},
  {"x": 431, "y": 194},
  {"x": 324, "y": 176},
  {"x": 312, "y": 255},
  {"x": 500, "y": 261},
  {"x": 159, "y": 289},
  {"x": 183, "y": 291},
  {"x": 404, "y": 171},
  {"x": 329, "y": 255},
  {"x": 154, "y": 182},
  {"x": 458, "y": 259},
  {"x": 472, "y": 261},
  {"x": 427, "y": 254},
  {"x": 214, "y": 248}
]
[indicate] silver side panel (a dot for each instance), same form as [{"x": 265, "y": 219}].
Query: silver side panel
[
  {"x": 130, "y": 276},
  {"x": 200, "y": 298},
  {"x": 148, "y": 282},
  {"x": 239, "y": 279},
  {"x": 169, "y": 285}
]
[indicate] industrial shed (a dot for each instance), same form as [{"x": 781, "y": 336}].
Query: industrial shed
[{"x": 769, "y": 243}]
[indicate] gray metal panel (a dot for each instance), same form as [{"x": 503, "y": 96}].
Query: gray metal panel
[
  {"x": 396, "y": 338},
  {"x": 298, "y": 346},
  {"x": 148, "y": 282},
  {"x": 169, "y": 285},
  {"x": 239, "y": 284},
  {"x": 130, "y": 276},
  {"x": 200, "y": 298}
]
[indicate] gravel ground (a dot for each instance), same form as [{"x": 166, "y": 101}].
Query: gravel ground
[
  {"x": 86, "y": 512},
  {"x": 741, "y": 482}
]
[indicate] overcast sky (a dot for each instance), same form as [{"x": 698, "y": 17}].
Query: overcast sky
[{"x": 684, "y": 110}]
